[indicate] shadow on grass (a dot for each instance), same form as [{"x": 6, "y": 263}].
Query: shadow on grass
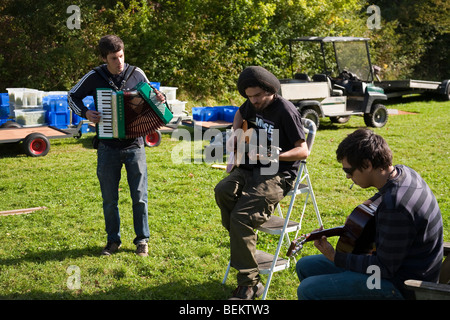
[
  {"x": 170, "y": 291},
  {"x": 52, "y": 255},
  {"x": 173, "y": 289}
]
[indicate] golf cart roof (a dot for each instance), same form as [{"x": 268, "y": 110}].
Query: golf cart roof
[{"x": 330, "y": 39}]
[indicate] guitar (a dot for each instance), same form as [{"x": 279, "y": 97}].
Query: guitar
[
  {"x": 357, "y": 235},
  {"x": 245, "y": 141},
  {"x": 233, "y": 160}
]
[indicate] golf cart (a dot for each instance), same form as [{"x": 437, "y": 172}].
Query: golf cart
[{"x": 343, "y": 88}]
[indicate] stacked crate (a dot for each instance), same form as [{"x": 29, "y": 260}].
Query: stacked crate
[
  {"x": 4, "y": 108},
  {"x": 57, "y": 110},
  {"x": 177, "y": 107},
  {"x": 85, "y": 127},
  {"x": 218, "y": 113},
  {"x": 31, "y": 107},
  {"x": 25, "y": 105}
]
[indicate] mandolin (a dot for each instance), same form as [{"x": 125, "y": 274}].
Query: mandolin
[{"x": 356, "y": 236}]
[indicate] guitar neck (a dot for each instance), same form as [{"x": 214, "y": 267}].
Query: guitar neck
[{"x": 315, "y": 235}]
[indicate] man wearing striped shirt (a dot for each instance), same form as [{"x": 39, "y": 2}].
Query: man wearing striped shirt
[{"x": 408, "y": 230}]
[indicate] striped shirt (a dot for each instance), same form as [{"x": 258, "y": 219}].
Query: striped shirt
[{"x": 409, "y": 232}]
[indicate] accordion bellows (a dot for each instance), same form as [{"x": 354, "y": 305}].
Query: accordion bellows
[{"x": 130, "y": 114}]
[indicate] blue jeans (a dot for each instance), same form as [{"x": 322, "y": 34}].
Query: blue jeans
[
  {"x": 320, "y": 279},
  {"x": 109, "y": 166}
]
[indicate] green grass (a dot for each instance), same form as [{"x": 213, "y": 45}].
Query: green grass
[{"x": 189, "y": 249}]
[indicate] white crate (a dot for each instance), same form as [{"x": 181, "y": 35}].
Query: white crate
[
  {"x": 30, "y": 117},
  {"x": 170, "y": 92},
  {"x": 20, "y": 98},
  {"x": 178, "y": 107}
]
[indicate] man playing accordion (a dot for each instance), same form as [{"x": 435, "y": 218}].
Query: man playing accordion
[{"x": 113, "y": 153}]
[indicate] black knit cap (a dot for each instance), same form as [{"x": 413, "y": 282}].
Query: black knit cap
[{"x": 256, "y": 76}]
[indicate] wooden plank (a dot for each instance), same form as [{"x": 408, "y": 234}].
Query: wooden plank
[
  {"x": 219, "y": 166},
  {"x": 20, "y": 211},
  {"x": 428, "y": 290},
  {"x": 444, "y": 275},
  {"x": 446, "y": 248},
  {"x": 213, "y": 124}
]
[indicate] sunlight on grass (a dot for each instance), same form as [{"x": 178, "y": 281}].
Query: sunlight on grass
[{"x": 189, "y": 249}]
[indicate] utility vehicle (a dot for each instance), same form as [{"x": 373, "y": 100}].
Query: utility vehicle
[{"x": 343, "y": 88}]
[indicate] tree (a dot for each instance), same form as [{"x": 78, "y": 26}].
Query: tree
[
  {"x": 413, "y": 41},
  {"x": 201, "y": 46}
]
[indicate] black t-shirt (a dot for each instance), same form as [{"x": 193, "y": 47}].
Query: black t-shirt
[{"x": 280, "y": 118}]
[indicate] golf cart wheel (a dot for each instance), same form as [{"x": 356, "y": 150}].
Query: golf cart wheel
[
  {"x": 312, "y": 115},
  {"x": 36, "y": 145},
  {"x": 377, "y": 117},
  {"x": 153, "y": 139}
]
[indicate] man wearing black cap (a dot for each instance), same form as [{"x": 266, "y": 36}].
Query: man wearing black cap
[{"x": 248, "y": 196}]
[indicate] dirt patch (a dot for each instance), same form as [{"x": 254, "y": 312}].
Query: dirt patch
[{"x": 399, "y": 112}]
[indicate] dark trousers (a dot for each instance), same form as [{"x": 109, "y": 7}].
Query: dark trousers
[{"x": 246, "y": 200}]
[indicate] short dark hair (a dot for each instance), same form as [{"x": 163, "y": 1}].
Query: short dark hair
[
  {"x": 364, "y": 145},
  {"x": 110, "y": 44}
]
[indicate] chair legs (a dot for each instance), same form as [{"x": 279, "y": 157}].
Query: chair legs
[
  {"x": 226, "y": 272},
  {"x": 282, "y": 226}
]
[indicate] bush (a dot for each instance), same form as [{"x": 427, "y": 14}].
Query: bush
[{"x": 200, "y": 46}]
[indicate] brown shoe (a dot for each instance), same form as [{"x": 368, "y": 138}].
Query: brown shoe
[
  {"x": 111, "y": 247},
  {"x": 247, "y": 292},
  {"x": 142, "y": 249}
]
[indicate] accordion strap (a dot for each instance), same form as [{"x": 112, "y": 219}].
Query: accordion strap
[{"x": 128, "y": 72}]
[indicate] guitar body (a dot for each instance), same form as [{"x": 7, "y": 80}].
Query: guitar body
[
  {"x": 359, "y": 232},
  {"x": 235, "y": 158},
  {"x": 247, "y": 141},
  {"x": 356, "y": 236}
]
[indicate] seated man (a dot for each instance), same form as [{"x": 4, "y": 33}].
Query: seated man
[
  {"x": 248, "y": 196},
  {"x": 408, "y": 230}
]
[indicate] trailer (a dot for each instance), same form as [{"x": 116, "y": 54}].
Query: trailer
[
  {"x": 399, "y": 88},
  {"x": 35, "y": 140}
]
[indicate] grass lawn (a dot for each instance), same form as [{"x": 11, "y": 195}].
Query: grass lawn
[{"x": 189, "y": 249}]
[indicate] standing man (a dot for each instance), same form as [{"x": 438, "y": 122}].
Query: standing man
[
  {"x": 408, "y": 230},
  {"x": 248, "y": 196},
  {"x": 113, "y": 153}
]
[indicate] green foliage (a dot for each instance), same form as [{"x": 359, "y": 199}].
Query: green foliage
[
  {"x": 201, "y": 46},
  {"x": 413, "y": 40}
]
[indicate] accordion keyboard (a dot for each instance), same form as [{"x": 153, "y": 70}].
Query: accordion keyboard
[{"x": 104, "y": 102}]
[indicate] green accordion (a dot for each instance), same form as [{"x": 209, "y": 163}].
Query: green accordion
[{"x": 130, "y": 114}]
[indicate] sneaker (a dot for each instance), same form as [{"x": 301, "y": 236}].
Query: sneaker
[
  {"x": 111, "y": 247},
  {"x": 142, "y": 249},
  {"x": 248, "y": 292}
]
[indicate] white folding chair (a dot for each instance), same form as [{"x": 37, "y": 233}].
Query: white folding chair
[{"x": 282, "y": 226}]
